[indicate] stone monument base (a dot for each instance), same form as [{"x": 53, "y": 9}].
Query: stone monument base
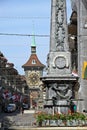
[{"x": 49, "y": 128}]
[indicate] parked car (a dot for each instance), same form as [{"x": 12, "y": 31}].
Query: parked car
[{"x": 10, "y": 108}]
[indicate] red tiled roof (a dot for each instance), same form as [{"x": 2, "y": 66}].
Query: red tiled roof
[
  {"x": 30, "y": 64},
  {"x": 3, "y": 58},
  {"x": 10, "y": 64},
  {"x": 23, "y": 77}
]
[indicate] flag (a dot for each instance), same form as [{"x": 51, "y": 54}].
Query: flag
[
  {"x": 6, "y": 94},
  {"x": 75, "y": 74},
  {"x": 84, "y": 70},
  {"x": 16, "y": 97},
  {"x": 74, "y": 71}
]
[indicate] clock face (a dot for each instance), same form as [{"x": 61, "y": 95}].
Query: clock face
[
  {"x": 33, "y": 79},
  {"x": 60, "y": 62}
]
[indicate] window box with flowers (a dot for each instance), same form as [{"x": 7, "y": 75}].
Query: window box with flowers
[{"x": 70, "y": 119}]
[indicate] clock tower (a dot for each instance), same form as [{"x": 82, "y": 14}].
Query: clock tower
[{"x": 33, "y": 71}]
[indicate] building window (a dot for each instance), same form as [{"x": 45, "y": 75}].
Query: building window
[{"x": 33, "y": 61}]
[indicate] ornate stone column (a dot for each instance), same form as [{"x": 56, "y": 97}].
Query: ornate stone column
[
  {"x": 59, "y": 58},
  {"x": 59, "y": 81}
]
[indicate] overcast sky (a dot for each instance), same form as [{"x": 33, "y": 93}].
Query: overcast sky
[{"x": 25, "y": 17}]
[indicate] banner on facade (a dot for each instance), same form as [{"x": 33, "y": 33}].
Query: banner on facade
[{"x": 84, "y": 70}]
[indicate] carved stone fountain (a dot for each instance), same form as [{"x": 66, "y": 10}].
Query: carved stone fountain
[{"x": 61, "y": 86}]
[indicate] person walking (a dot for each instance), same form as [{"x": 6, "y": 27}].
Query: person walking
[{"x": 22, "y": 110}]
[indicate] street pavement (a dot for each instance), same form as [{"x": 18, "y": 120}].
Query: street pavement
[
  {"x": 26, "y": 121},
  {"x": 18, "y": 119}
]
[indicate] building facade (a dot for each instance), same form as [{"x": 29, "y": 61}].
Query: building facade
[
  {"x": 11, "y": 84},
  {"x": 80, "y": 6}
]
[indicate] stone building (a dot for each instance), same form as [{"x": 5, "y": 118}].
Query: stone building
[
  {"x": 80, "y": 6},
  {"x": 72, "y": 37},
  {"x": 33, "y": 71},
  {"x": 9, "y": 76},
  {"x": 10, "y": 82}
]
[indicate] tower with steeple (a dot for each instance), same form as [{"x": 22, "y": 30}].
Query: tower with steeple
[{"x": 33, "y": 71}]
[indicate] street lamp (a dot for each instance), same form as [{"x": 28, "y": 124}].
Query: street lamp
[{"x": 31, "y": 103}]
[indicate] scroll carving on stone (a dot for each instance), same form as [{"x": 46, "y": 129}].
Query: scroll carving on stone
[{"x": 59, "y": 29}]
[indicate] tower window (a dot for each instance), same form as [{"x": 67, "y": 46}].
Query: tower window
[{"x": 33, "y": 61}]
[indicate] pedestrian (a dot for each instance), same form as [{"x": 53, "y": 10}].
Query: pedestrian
[
  {"x": 22, "y": 110},
  {"x": 2, "y": 125}
]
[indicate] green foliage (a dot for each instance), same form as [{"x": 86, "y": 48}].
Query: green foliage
[{"x": 41, "y": 116}]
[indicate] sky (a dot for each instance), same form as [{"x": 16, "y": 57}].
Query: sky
[{"x": 25, "y": 17}]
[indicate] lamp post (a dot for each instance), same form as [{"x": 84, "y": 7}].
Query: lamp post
[
  {"x": 0, "y": 82},
  {"x": 31, "y": 103}
]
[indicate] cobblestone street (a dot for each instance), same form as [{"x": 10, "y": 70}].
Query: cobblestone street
[
  {"x": 26, "y": 119},
  {"x": 18, "y": 119}
]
